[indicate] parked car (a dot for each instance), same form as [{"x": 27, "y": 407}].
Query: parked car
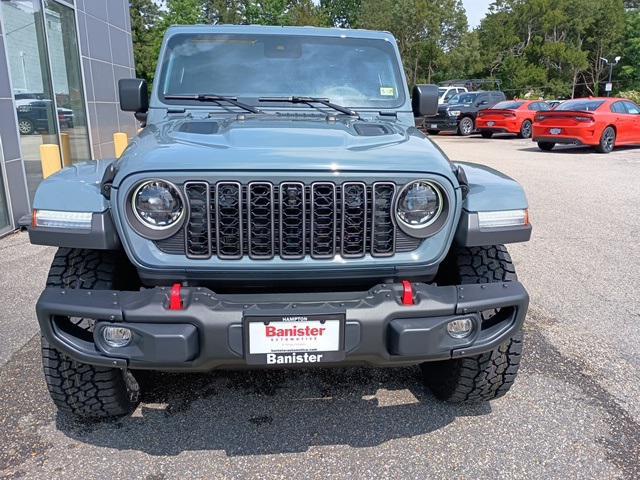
[
  {"x": 445, "y": 94},
  {"x": 603, "y": 123},
  {"x": 35, "y": 114},
  {"x": 459, "y": 115},
  {"x": 511, "y": 116},
  {"x": 276, "y": 223}
]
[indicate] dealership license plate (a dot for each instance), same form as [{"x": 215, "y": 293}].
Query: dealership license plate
[
  {"x": 434, "y": 126},
  {"x": 294, "y": 339},
  {"x": 555, "y": 131},
  {"x": 491, "y": 124}
]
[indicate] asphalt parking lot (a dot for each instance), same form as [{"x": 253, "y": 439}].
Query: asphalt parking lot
[{"x": 573, "y": 413}]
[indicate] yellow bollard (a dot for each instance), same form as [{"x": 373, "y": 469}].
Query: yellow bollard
[
  {"x": 120, "y": 142},
  {"x": 50, "y": 159},
  {"x": 66, "y": 149}
]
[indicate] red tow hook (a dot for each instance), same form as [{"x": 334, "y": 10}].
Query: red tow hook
[
  {"x": 175, "y": 297},
  {"x": 407, "y": 293}
]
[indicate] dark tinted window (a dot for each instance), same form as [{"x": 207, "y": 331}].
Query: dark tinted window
[
  {"x": 581, "y": 105},
  {"x": 632, "y": 108},
  {"x": 618, "y": 107},
  {"x": 508, "y": 105}
]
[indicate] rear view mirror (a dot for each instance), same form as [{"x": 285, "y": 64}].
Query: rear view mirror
[
  {"x": 134, "y": 95},
  {"x": 424, "y": 100}
]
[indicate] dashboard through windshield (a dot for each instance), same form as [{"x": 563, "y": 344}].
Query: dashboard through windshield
[{"x": 354, "y": 72}]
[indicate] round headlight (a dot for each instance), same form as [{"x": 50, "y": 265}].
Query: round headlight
[
  {"x": 419, "y": 204},
  {"x": 157, "y": 204}
]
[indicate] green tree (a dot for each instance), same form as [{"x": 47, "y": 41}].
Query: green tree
[
  {"x": 630, "y": 69},
  {"x": 146, "y": 35},
  {"x": 341, "y": 13}
]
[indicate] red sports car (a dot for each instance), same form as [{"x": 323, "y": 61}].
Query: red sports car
[
  {"x": 599, "y": 122},
  {"x": 511, "y": 116}
]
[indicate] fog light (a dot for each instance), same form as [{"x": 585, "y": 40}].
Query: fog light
[
  {"x": 460, "y": 328},
  {"x": 116, "y": 336}
]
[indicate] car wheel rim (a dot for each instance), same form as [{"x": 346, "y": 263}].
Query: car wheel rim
[
  {"x": 609, "y": 138},
  {"x": 24, "y": 127},
  {"x": 466, "y": 126},
  {"x": 526, "y": 130}
]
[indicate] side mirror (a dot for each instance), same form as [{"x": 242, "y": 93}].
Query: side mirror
[
  {"x": 134, "y": 95},
  {"x": 424, "y": 100}
]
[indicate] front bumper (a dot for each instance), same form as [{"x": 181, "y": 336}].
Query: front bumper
[
  {"x": 208, "y": 331},
  {"x": 440, "y": 124}
]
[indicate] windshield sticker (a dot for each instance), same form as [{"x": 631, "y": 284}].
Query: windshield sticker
[{"x": 387, "y": 91}]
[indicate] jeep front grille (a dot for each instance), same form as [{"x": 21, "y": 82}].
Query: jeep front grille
[{"x": 291, "y": 220}]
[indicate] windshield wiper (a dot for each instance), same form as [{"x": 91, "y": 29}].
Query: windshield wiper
[
  {"x": 310, "y": 101},
  {"x": 215, "y": 99}
]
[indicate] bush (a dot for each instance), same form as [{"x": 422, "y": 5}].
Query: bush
[{"x": 633, "y": 95}]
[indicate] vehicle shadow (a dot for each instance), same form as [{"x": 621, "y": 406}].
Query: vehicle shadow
[
  {"x": 273, "y": 411},
  {"x": 574, "y": 150}
]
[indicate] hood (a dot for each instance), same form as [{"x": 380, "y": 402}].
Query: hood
[
  {"x": 455, "y": 106},
  {"x": 282, "y": 143}
]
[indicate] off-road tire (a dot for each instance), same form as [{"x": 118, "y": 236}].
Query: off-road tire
[
  {"x": 607, "y": 141},
  {"x": 488, "y": 376},
  {"x": 486, "y": 134},
  {"x": 546, "y": 146},
  {"x": 77, "y": 388}
]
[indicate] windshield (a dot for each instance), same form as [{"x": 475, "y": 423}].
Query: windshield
[
  {"x": 508, "y": 105},
  {"x": 580, "y": 105},
  {"x": 466, "y": 98},
  {"x": 353, "y": 72}
]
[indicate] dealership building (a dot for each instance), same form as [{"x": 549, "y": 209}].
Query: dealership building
[{"x": 60, "y": 62}]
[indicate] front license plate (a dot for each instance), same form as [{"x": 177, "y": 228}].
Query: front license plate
[
  {"x": 434, "y": 126},
  {"x": 555, "y": 131},
  {"x": 294, "y": 339},
  {"x": 491, "y": 124}
]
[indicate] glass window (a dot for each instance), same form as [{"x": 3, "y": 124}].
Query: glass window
[
  {"x": 618, "y": 107},
  {"x": 465, "y": 98},
  {"x": 354, "y": 72},
  {"x": 28, "y": 67},
  {"x": 580, "y": 105},
  {"x": 67, "y": 82},
  {"x": 508, "y": 105},
  {"x": 632, "y": 108}
]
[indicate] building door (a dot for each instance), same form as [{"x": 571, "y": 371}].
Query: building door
[{"x": 44, "y": 66}]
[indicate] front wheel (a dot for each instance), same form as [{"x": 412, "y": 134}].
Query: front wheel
[
  {"x": 607, "y": 141},
  {"x": 26, "y": 127},
  {"x": 526, "y": 129},
  {"x": 546, "y": 146},
  {"x": 466, "y": 126},
  {"x": 85, "y": 390},
  {"x": 490, "y": 375}
]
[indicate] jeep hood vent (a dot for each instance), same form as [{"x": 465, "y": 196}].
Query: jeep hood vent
[
  {"x": 201, "y": 127},
  {"x": 371, "y": 129}
]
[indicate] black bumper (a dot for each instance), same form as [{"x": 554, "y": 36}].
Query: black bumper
[
  {"x": 560, "y": 140},
  {"x": 441, "y": 124},
  {"x": 208, "y": 332}
]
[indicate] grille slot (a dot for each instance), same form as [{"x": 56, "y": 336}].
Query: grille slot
[
  {"x": 229, "y": 224},
  {"x": 383, "y": 227},
  {"x": 354, "y": 219},
  {"x": 291, "y": 220},
  {"x": 197, "y": 230},
  {"x": 323, "y": 220},
  {"x": 261, "y": 207},
  {"x": 293, "y": 214}
]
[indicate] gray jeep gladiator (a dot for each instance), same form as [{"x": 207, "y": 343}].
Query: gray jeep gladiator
[{"x": 278, "y": 209}]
